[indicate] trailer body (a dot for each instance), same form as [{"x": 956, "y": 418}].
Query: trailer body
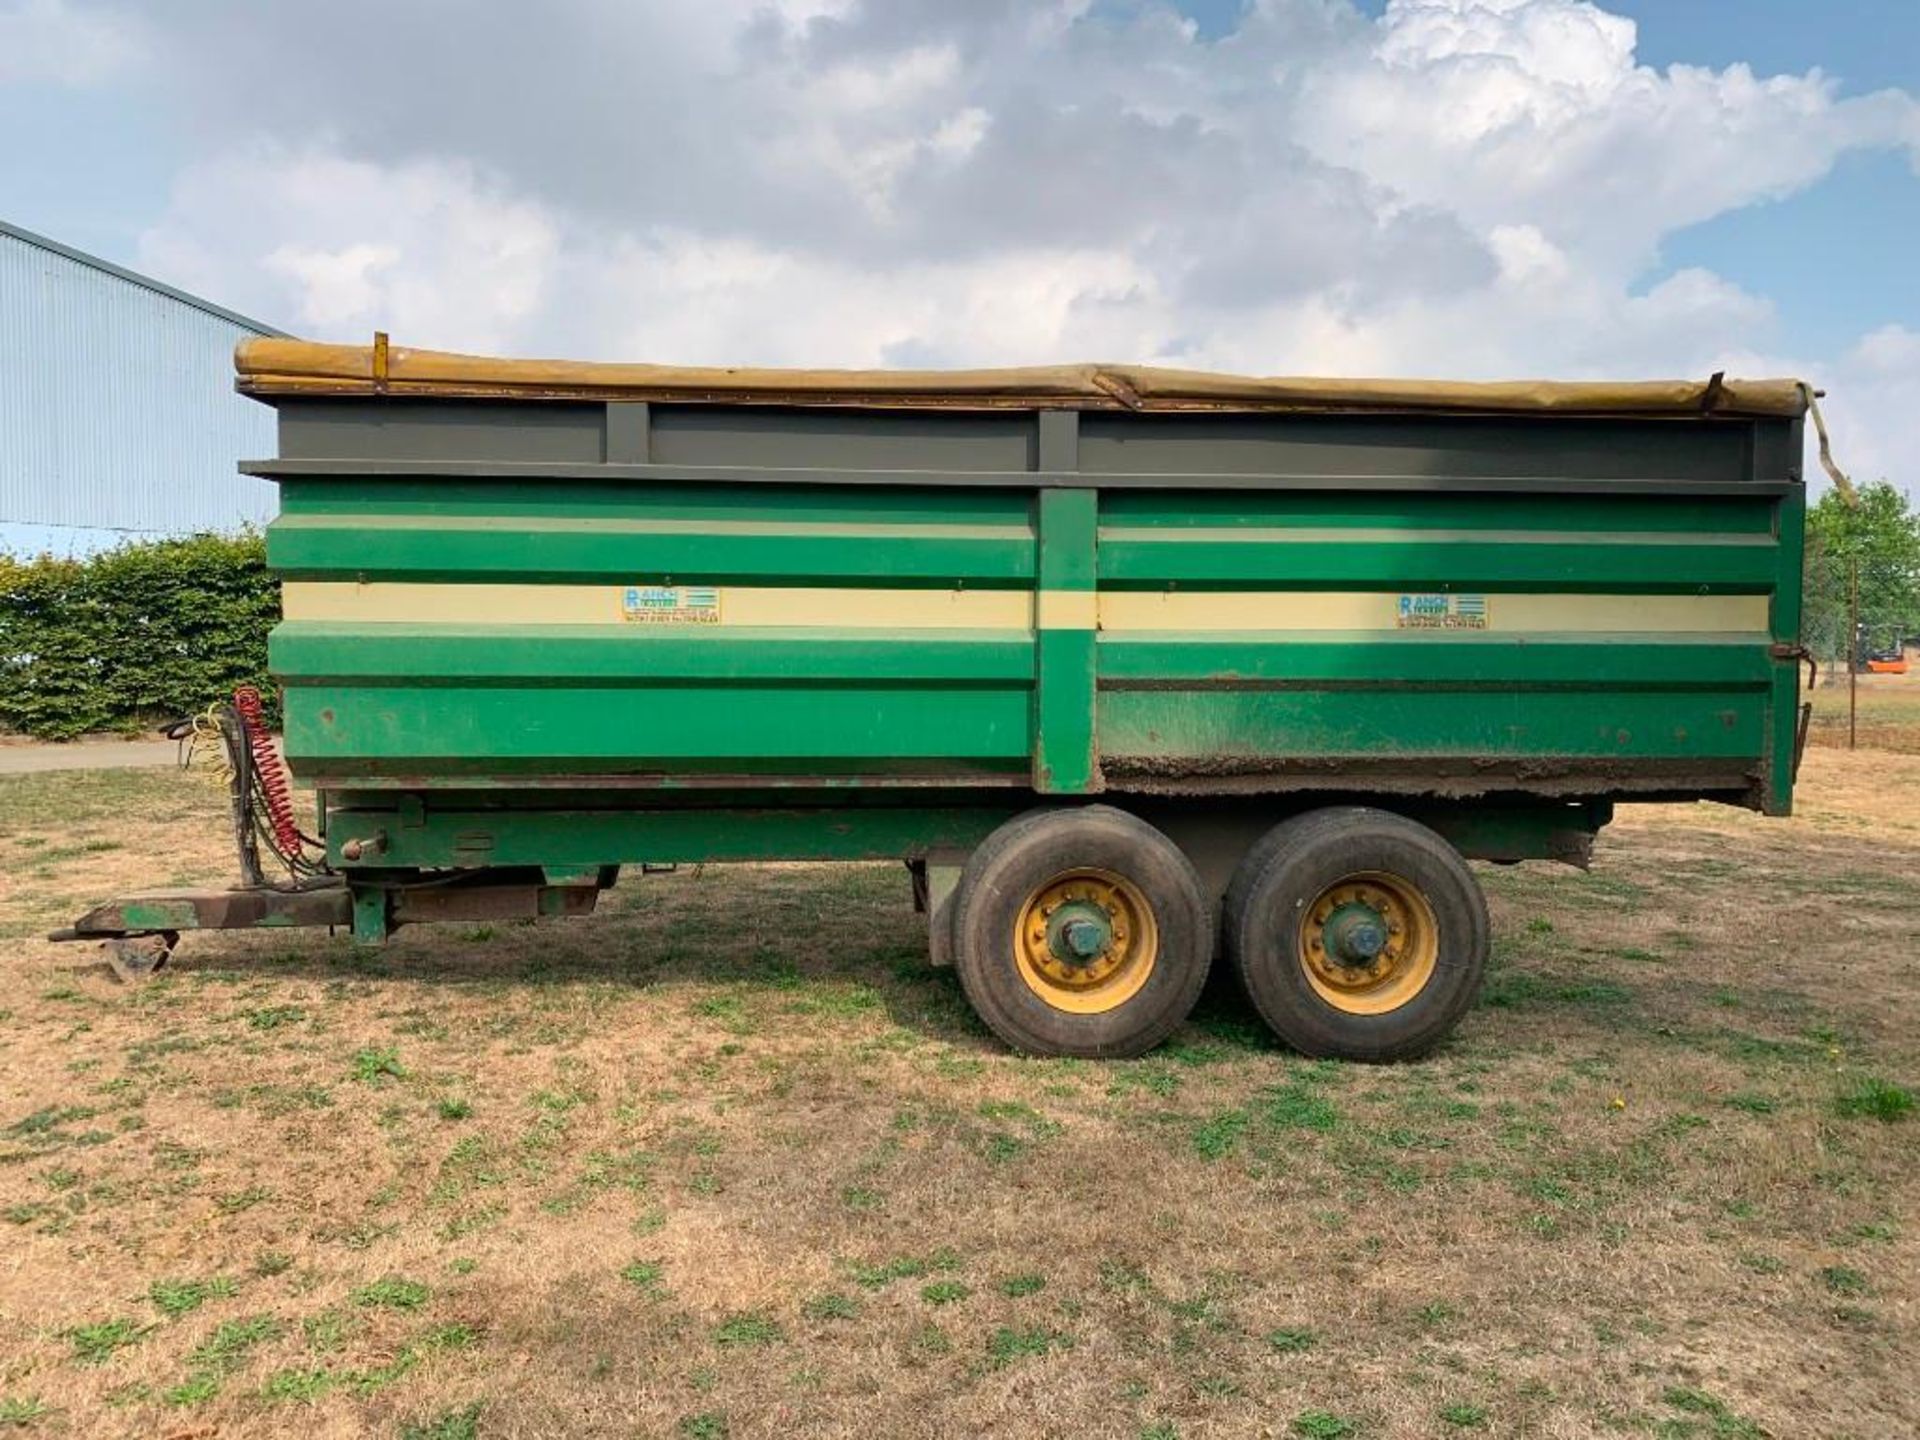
[
  {"x": 544, "y": 626},
  {"x": 544, "y": 620}
]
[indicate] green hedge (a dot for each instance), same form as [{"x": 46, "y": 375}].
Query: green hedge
[{"x": 132, "y": 636}]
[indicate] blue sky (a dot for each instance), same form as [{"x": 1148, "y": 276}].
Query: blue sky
[
  {"x": 1459, "y": 187},
  {"x": 1838, "y": 256}
]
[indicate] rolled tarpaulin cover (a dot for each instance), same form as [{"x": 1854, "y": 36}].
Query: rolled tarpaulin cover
[{"x": 266, "y": 366}]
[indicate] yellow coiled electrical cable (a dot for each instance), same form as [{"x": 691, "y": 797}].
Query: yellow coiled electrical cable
[{"x": 207, "y": 736}]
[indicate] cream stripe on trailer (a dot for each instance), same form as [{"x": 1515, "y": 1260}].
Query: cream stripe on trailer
[
  {"x": 1126, "y": 610},
  {"x": 1113, "y": 611}
]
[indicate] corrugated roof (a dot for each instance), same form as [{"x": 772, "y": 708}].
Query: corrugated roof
[
  {"x": 117, "y": 409},
  {"x": 145, "y": 282}
]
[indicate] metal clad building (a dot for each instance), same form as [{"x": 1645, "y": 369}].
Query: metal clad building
[{"x": 117, "y": 407}]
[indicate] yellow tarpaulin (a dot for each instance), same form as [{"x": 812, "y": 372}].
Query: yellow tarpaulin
[{"x": 298, "y": 367}]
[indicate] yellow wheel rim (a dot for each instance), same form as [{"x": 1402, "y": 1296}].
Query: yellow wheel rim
[
  {"x": 1085, "y": 941},
  {"x": 1369, "y": 943}
]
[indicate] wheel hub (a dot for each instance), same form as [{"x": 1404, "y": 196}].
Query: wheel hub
[
  {"x": 1079, "y": 933},
  {"x": 1085, "y": 941},
  {"x": 1356, "y": 934},
  {"x": 1369, "y": 943}
]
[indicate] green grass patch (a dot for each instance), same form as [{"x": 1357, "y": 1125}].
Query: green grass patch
[
  {"x": 273, "y": 1017},
  {"x": 392, "y": 1292},
  {"x": 1219, "y": 1135},
  {"x": 1148, "y": 1075},
  {"x": 21, "y": 1409},
  {"x": 644, "y": 1275},
  {"x": 47, "y": 1122},
  {"x": 749, "y": 1327},
  {"x": 1843, "y": 1280},
  {"x": 901, "y": 1267},
  {"x": 1321, "y": 1425},
  {"x": 297, "y": 1386},
  {"x": 1008, "y": 1344},
  {"x": 174, "y": 1298},
  {"x": 1706, "y": 1416},
  {"x": 830, "y": 1306},
  {"x": 1871, "y": 1098},
  {"x": 454, "y": 1335},
  {"x": 328, "y": 1331},
  {"x": 373, "y": 1067},
  {"x": 95, "y": 1344},
  {"x": 232, "y": 1339},
  {"x": 376, "y": 1378},
  {"x": 195, "y": 1390},
  {"x": 1297, "y": 1106}
]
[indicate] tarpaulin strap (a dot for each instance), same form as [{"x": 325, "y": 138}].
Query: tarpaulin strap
[
  {"x": 1834, "y": 472},
  {"x": 1116, "y": 386}
]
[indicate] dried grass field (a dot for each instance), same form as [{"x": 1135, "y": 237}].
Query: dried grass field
[
  {"x": 729, "y": 1159},
  {"x": 1888, "y": 715}
]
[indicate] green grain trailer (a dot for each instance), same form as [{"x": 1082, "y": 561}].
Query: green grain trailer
[{"x": 1126, "y": 664}]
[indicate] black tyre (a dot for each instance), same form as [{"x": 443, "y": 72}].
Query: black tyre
[
  {"x": 1081, "y": 932},
  {"x": 1357, "y": 933}
]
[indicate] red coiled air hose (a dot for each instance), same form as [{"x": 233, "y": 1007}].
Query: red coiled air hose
[{"x": 276, "y": 786}]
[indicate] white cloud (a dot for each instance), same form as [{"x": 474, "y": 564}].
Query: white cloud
[
  {"x": 1873, "y": 406},
  {"x": 47, "y": 41},
  {"x": 338, "y": 288},
  {"x": 1535, "y": 112},
  {"x": 1463, "y": 187},
  {"x": 342, "y": 247}
]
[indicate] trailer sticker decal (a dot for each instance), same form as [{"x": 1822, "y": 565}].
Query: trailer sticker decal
[
  {"x": 671, "y": 604},
  {"x": 1442, "y": 612}
]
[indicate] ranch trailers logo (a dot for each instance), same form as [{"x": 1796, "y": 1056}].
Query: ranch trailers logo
[
  {"x": 1443, "y": 612},
  {"x": 671, "y": 604}
]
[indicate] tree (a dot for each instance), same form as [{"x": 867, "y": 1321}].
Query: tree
[{"x": 1879, "y": 539}]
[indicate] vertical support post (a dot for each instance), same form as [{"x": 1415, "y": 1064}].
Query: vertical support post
[
  {"x": 1783, "y": 721},
  {"x": 372, "y": 914},
  {"x": 629, "y": 433},
  {"x": 1064, "y": 617},
  {"x": 1853, "y": 651}
]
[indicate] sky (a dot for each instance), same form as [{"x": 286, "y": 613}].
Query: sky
[{"x": 1462, "y": 188}]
